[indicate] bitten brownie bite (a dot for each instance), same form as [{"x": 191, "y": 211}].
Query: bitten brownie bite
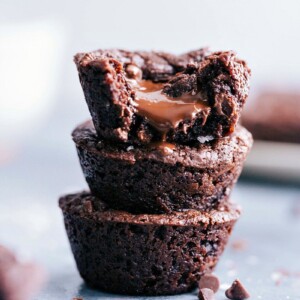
[
  {"x": 162, "y": 178},
  {"x": 144, "y": 254},
  {"x": 143, "y": 97}
]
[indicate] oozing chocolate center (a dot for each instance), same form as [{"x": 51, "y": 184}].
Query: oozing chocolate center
[{"x": 164, "y": 112}]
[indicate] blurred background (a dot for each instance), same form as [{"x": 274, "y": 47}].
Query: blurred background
[{"x": 41, "y": 100}]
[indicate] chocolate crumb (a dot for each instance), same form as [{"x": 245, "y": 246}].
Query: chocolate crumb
[
  {"x": 209, "y": 281},
  {"x": 88, "y": 207},
  {"x": 206, "y": 294},
  {"x": 237, "y": 291}
]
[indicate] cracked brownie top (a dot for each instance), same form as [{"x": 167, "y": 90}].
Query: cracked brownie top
[{"x": 144, "y": 97}]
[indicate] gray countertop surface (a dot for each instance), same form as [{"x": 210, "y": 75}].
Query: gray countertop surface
[{"x": 31, "y": 224}]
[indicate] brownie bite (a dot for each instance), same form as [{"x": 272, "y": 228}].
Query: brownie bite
[
  {"x": 18, "y": 281},
  {"x": 144, "y": 254},
  {"x": 274, "y": 116},
  {"x": 161, "y": 155},
  {"x": 144, "y": 97},
  {"x": 163, "y": 177}
]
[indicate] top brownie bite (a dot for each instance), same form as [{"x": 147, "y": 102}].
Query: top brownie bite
[{"x": 145, "y": 97}]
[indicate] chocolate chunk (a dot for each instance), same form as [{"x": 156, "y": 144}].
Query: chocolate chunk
[
  {"x": 237, "y": 291},
  {"x": 209, "y": 281},
  {"x": 206, "y": 294},
  {"x": 197, "y": 94}
]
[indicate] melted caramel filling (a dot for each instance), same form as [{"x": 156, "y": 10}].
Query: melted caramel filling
[{"x": 164, "y": 112}]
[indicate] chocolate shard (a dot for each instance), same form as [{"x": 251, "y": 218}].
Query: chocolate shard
[
  {"x": 206, "y": 294},
  {"x": 219, "y": 81},
  {"x": 237, "y": 291},
  {"x": 209, "y": 281}
]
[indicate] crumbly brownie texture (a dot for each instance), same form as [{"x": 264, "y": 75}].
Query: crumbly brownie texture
[
  {"x": 274, "y": 117},
  {"x": 220, "y": 78},
  {"x": 144, "y": 254},
  {"x": 147, "y": 180},
  {"x": 18, "y": 281}
]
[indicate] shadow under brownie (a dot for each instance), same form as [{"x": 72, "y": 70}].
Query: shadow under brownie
[
  {"x": 162, "y": 178},
  {"x": 144, "y": 254}
]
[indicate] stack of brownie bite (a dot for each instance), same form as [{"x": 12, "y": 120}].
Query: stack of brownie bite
[{"x": 161, "y": 155}]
